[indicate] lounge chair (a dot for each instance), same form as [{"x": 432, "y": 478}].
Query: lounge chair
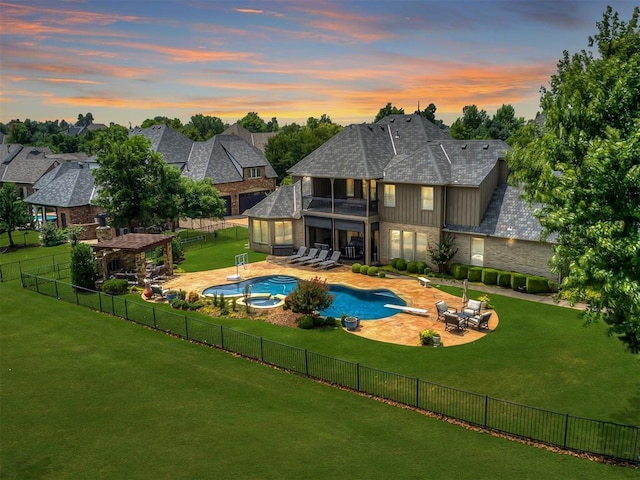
[
  {"x": 472, "y": 308},
  {"x": 157, "y": 290},
  {"x": 312, "y": 254},
  {"x": 453, "y": 320},
  {"x": 442, "y": 308},
  {"x": 320, "y": 258},
  {"x": 299, "y": 254},
  {"x": 332, "y": 262},
  {"x": 480, "y": 321}
]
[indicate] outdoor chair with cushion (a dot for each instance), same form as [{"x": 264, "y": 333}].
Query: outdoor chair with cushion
[
  {"x": 320, "y": 258},
  {"x": 299, "y": 254},
  {"x": 480, "y": 321},
  {"x": 453, "y": 320},
  {"x": 332, "y": 262},
  {"x": 312, "y": 254},
  {"x": 442, "y": 308},
  {"x": 472, "y": 308},
  {"x": 157, "y": 290}
]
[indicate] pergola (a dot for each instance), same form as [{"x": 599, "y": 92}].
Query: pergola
[{"x": 127, "y": 253}]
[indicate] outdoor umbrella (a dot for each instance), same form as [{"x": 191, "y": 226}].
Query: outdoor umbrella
[{"x": 465, "y": 293}]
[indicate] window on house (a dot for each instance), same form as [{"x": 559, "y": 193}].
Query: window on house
[
  {"x": 283, "y": 233},
  {"x": 394, "y": 243},
  {"x": 421, "y": 246},
  {"x": 253, "y": 172},
  {"x": 260, "y": 231},
  {"x": 477, "y": 252},
  {"x": 349, "y": 187},
  {"x": 427, "y": 198},
  {"x": 373, "y": 190},
  {"x": 407, "y": 245},
  {"x": 389, "y": 195}
]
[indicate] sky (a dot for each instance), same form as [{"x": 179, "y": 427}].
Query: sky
[{"x": 128, "y": 60}]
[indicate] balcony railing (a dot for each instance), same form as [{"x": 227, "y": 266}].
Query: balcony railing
[{"x": 343, "y": 206}]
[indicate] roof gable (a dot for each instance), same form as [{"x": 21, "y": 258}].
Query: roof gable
[{"x": 69, "y": 185}]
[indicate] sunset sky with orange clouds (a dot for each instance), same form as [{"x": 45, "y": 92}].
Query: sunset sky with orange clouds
[{"x": 128, "y": 60}]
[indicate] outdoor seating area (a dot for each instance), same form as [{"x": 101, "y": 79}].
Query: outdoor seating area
[{"x": 315, "y": 257}]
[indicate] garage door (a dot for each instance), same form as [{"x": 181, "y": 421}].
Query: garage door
[{"x": 248, "y": 200}]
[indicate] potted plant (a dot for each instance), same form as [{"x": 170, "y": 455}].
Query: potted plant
[
  {"x": 430, "y": 337},
  {"x": 172, "y": 294},
  {"x": 486, "y": 301}
]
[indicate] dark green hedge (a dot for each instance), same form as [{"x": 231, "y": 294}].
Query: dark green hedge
[
  {"x": 537, "y": 284},
  {"x": 489, "y": 276},
  {"x": 518, "y": 280},
  {"x": 459, "y": 271},
  {"x": 475, "y": 274},
  {"x": 504, "y": 279}
]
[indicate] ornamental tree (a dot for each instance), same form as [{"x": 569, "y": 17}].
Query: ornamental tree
[
  {"x": 13, "y": 211},
  {"x": 309, "y": 296},
  {"x": 584, "y": 172},
  {"x": 442, "y": 253}
]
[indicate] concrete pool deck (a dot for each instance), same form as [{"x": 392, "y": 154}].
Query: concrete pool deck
[{"x": 401, "y": 328}]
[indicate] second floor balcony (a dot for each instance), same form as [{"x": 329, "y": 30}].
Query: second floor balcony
[{"x": 342, "y": 206}]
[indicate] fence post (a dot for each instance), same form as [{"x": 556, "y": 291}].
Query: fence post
[
  {"x": 486, "y": 409},
  {"x": 100, "y": 300},
  {"x": 126, "y": 309},
  {"x": 417, "y": 392},
  {"x": 186, "y": 327},
  {"x": 261, "y": 349},
  {"x": 1, "y": 278},
  {"x": 75, "y": 289},
  {"x": 358, "y": 376},
  {"x": 37, "y": 287},
  {"x": 155, "y": 324},
  {"x": 566, "y": 428},
  {"x": 222, "y": 336},
  {"x": 306, "y": 362},
  {"x": 56, "y": 285},
  {"x": 113, "y": 306}
]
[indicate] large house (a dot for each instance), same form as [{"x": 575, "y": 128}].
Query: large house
[
  {"x": 240, "y": 171},
  {"x": 390, "y": 189}
]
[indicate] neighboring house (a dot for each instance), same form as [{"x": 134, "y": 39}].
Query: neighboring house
[
  {"x": 24, "y": 166},
  {"x": 77, "y": 130},
  {"x": 390, "y": 189},
  {"x": 258, "y": 140},
  {"x": 240, "y": 171},
  {"x": 66, "y": 193}
]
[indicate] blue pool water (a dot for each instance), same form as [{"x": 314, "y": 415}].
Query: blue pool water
[{"x": 366, "y": 304}]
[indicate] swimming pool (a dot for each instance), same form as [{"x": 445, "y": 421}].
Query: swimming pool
[{"x": 366, "y": 304}]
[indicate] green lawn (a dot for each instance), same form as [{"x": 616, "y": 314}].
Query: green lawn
[{"x": 85, "y": 395}]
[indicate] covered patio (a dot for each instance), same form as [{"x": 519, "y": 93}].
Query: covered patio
[{"x": 125, "y": 256}]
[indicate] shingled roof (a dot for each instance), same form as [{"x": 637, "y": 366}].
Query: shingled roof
[
  {"x": 508, "y": 216},
  {"x": 70, "y": 184},
  {"x": 258, "y": 140},
  {"x": 281, "y": 203},
  {"x": 27, "y": 165},
  {"x": 174, "y": 146}
]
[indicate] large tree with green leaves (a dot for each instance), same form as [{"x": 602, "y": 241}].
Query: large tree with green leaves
[
  {"x": 135, "y": 184},
  {"x": 13, "y": 211},
  {"x": 201, "y": 199},
  {"x": 252, "y": 122},
  {"x": 388, "y": 109},
  {"x": 584, "y": 171}
]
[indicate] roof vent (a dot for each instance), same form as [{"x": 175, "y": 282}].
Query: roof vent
[
  {"x": 464, "y": 146},
  {"x": 408, "y": 119},
  {"x": 392, "y": 120},
  {"x": 397, "y": 134},
  {"x": 485, "y": 146},
  {"x": 370, "y": 128}
]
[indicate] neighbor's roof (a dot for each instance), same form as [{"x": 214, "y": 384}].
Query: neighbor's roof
[
  {"x": 137, "y": 242},
  {"x": 70, "y": 184},
  {"x": 173, "y": 145},
  {"x": 258, "y": 140},
  {"x": 27, "y": 165}
]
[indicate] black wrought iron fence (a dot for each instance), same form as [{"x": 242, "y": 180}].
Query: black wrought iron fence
[
  {"x": 597, "y": 437},
  {"x": 11, "y": 270}
]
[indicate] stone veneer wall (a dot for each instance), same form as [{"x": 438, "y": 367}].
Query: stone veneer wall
[{"x": 433, "y": 236}]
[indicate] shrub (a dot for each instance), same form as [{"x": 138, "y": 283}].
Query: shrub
[
  {"x": 355, "y": 268},
  {"x": 475, "y": 274},
  {"x": 364, "y": 269},
  {"x": 427, "y": 271},
  {"x": 420, "y": 266},
  {"x": 381, "y": 274},
  {"x": 537, "y": 284},
  {"x": 318, "y": 321},
  {"x": 373, "y": 271},
  {"x": 192, "y": 296},
  {"x": 73, "y": 233},
  {"x": 234, "y": 304},
  {"x": 504, "y": 279},
  {"x": 305, "y": 322},
  {"x": 518, "y": 281},
  {"x": 489, "y": 276},
  {"x": 401, "y": 265},
  {"x": 394, "y": 263},
  {"x": 442, "y": 253},
  {"x": 115, "y": 286},
  {"x": 51, "y": 235},
  {"x": 459, "y": 271},
  {"x": 83, "y": 267},
  {"x": 412, "y": 267},
  {"x": 330, "y": 322},
  {"x": 177, "y": 252},
  {"x": 309, "y": 296}
]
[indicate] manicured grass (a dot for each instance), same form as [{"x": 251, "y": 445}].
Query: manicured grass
[{"x": 85, "y": 395}]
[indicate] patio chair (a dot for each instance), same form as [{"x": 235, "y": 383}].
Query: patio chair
[
  {"x": 299, "y": 254},
  {"x": 332, "y": 262},
  {"x": 312, "y": 254},
  {"x": 157, "y": 290},
  {"x": 442, "y": 308},
  {"x": 320, "y": 258},
  {"x": 453, "y": 320},
  {"x": 480, "y": 321},
  {"x": 472, "y": 308}
]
